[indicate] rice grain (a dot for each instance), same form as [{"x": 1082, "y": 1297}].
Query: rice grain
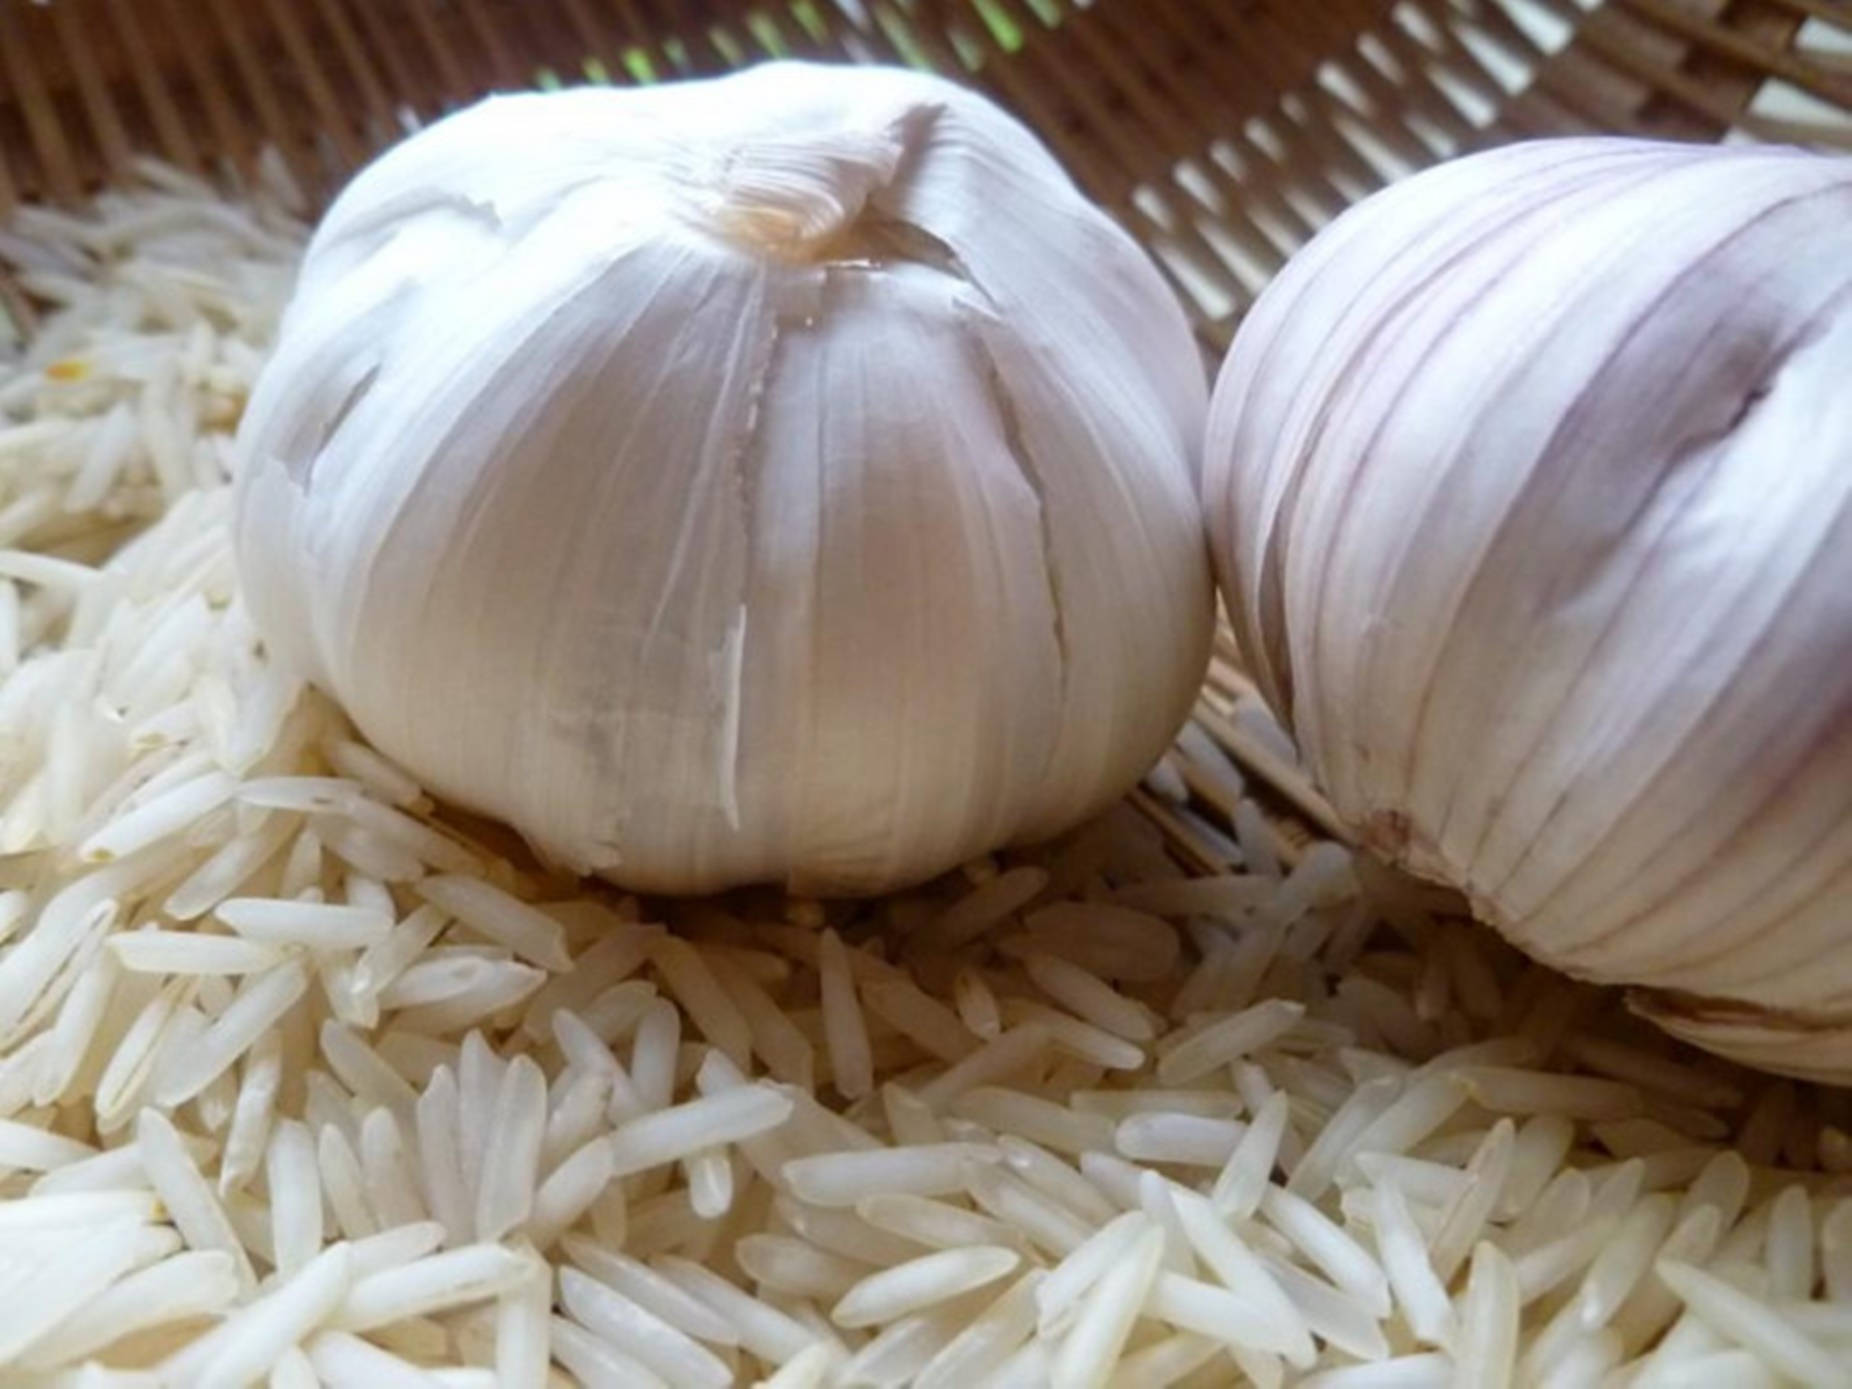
[
  {"x": 175, "y": 1289},
  {"x": 190, "y": 1202},
  {"x": 44, "y": 1293},
  {"x": 845, "y": 1030},
  {"x": 523, "y": 1333},
  {"x": 641, "y": 1334},
  {"x": 438, "y": 1282},
  {"x": 764, "y": 1330},
  {"x": 693, "y": 985},
  {"x": 1227, "y": 1039},
  {"x": 1485, "y": 1354},
  {"x": 595, "y": 1362},
  {"x": 316, "y": 925},
  {"x": 1420, "y": 1294},
  {"x": 680, "y": 1130},
  {"x": 651, "y": 1291},
  {"x": 996, "y": 1060},
  {"x": 1104, "y": 1319},
  {"x": 252, "y": 1339},
  {"x": 1221, "y": 1250},
  {"x": 484, "y": 908},
  {"x": 1089, "y": 997},
  {"x": 1624, "y": 1260},
  {"x": 510, "y": 1167},
  {"x": 1345, "y": 1261},
  {"x": 295, "y": 1200},
  {"x": 1754, "y": 1325}
]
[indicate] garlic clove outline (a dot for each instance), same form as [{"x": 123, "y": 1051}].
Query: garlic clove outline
[
  {"x": 783, "y": 477},
  {"x": 1528, "y": 487}
]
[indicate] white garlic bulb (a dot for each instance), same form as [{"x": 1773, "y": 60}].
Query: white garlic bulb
[
  {"x": 786, "y": 477},
  {"x": 1530, "y": 487}
]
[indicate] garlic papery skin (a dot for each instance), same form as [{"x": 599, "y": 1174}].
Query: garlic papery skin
[
  {"x": 1530, "y": 489},
  {"x": 787, "y": 477}
]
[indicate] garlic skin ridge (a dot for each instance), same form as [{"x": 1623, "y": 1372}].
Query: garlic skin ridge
[
  {"x": 1530, "y": 488},
  {"x": 787, "y": 477}
]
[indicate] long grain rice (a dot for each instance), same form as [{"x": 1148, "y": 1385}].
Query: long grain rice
[
  {"x": 392, "y": 1187},
  {"x": 1624, "y": 1260},
  {"x": 994, "y": 1061},
  {"x": 841, "y": 1232},
  {"x": 1029, "y": 1116},
  {"x": 486, "y": 909},
  {"x": 976, "y": 1003},
  {"x": 510, "y": 1166},
  {"x": 1485, "y": 1353},
  {"x": 1789, "y": 1247},
  {"x": 178, "y": 1288},
  {"x": 987, "y": 1341},
  {"x": 650, "y": 1290},
  {"x": 641, "y": 1334},
  {"x": 395, "y": 1245},
  {"x": 523, "y": 1332},
  {"x": 1330, "y": 1312},
  {"x": 1223, "y": 1313},
  {"x": 1106, "y": 1315},
  {"x": 1187, "y": 1139},
  {"x": 439, "y": 1282},
  {"x": 905, "y": 1288},
  {"x": 190, "y": 1202},
  {"x": 844, "y": 1028},
  {"x": 1426, "y": 1370},
  {"x": 1050, "y": 1176},
  {"x": 1345, "y": 1261},
  {"x": 1420, "y": 1294},
  {"x": 344, "y": 1184},
  {"x": 1046, "y": 1223},
  {"x": 1160, "y": 1208},
  {"x": 190, "y": 952},
  {"x": 1227, "y": 1039},
  {"x": 1111, "y": 942},
  {"x": 692, "y": 984},
  {"x": 1089, "y": 997},
  {"x": 1165, "y": 1362},
  {"x": 1464, "y": 1219},
  {"x": 569, "y": 1191},
  {"x": 1093, "y": 1045},
  {"x": 680, "y": 1130},
  {"x": 595, "y": 1362},
  {"x": 764, "y": 1330},
  {"x": 787, "y": 1053},
  {"x": 255, "y": 1337},
  {"x": 1070, "y": 1279},
  {"x": 260, "y": 996},
  {"x": 58, "y": 1287},
  {"x": 1346, "y": 1129},
  {"x": 982, "y": 908},
  {"x": 1753, "y": 1324},
  {"x": 934, "y": 1224},
  {"x": 318, "y": 925},
  {"x": 842, "y": 1179},
  {"x": 1223, "y": 1252},
  {"x": 797, "y": 1268},
  {"x": 1509, "y": 1090}
]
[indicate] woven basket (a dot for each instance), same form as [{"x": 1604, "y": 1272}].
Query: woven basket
[{"x": 1223, "y": 133}]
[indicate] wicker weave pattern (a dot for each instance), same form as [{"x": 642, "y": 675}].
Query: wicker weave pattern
[{"x": 1222, "y": 132}]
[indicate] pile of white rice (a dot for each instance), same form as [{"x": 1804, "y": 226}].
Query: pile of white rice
[{"x": 304, "y": 1082}]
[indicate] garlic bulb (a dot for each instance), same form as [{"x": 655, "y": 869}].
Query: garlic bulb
[
  {"x": 789, "y": 476},
  {"x": 1530, "y": 489}
]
